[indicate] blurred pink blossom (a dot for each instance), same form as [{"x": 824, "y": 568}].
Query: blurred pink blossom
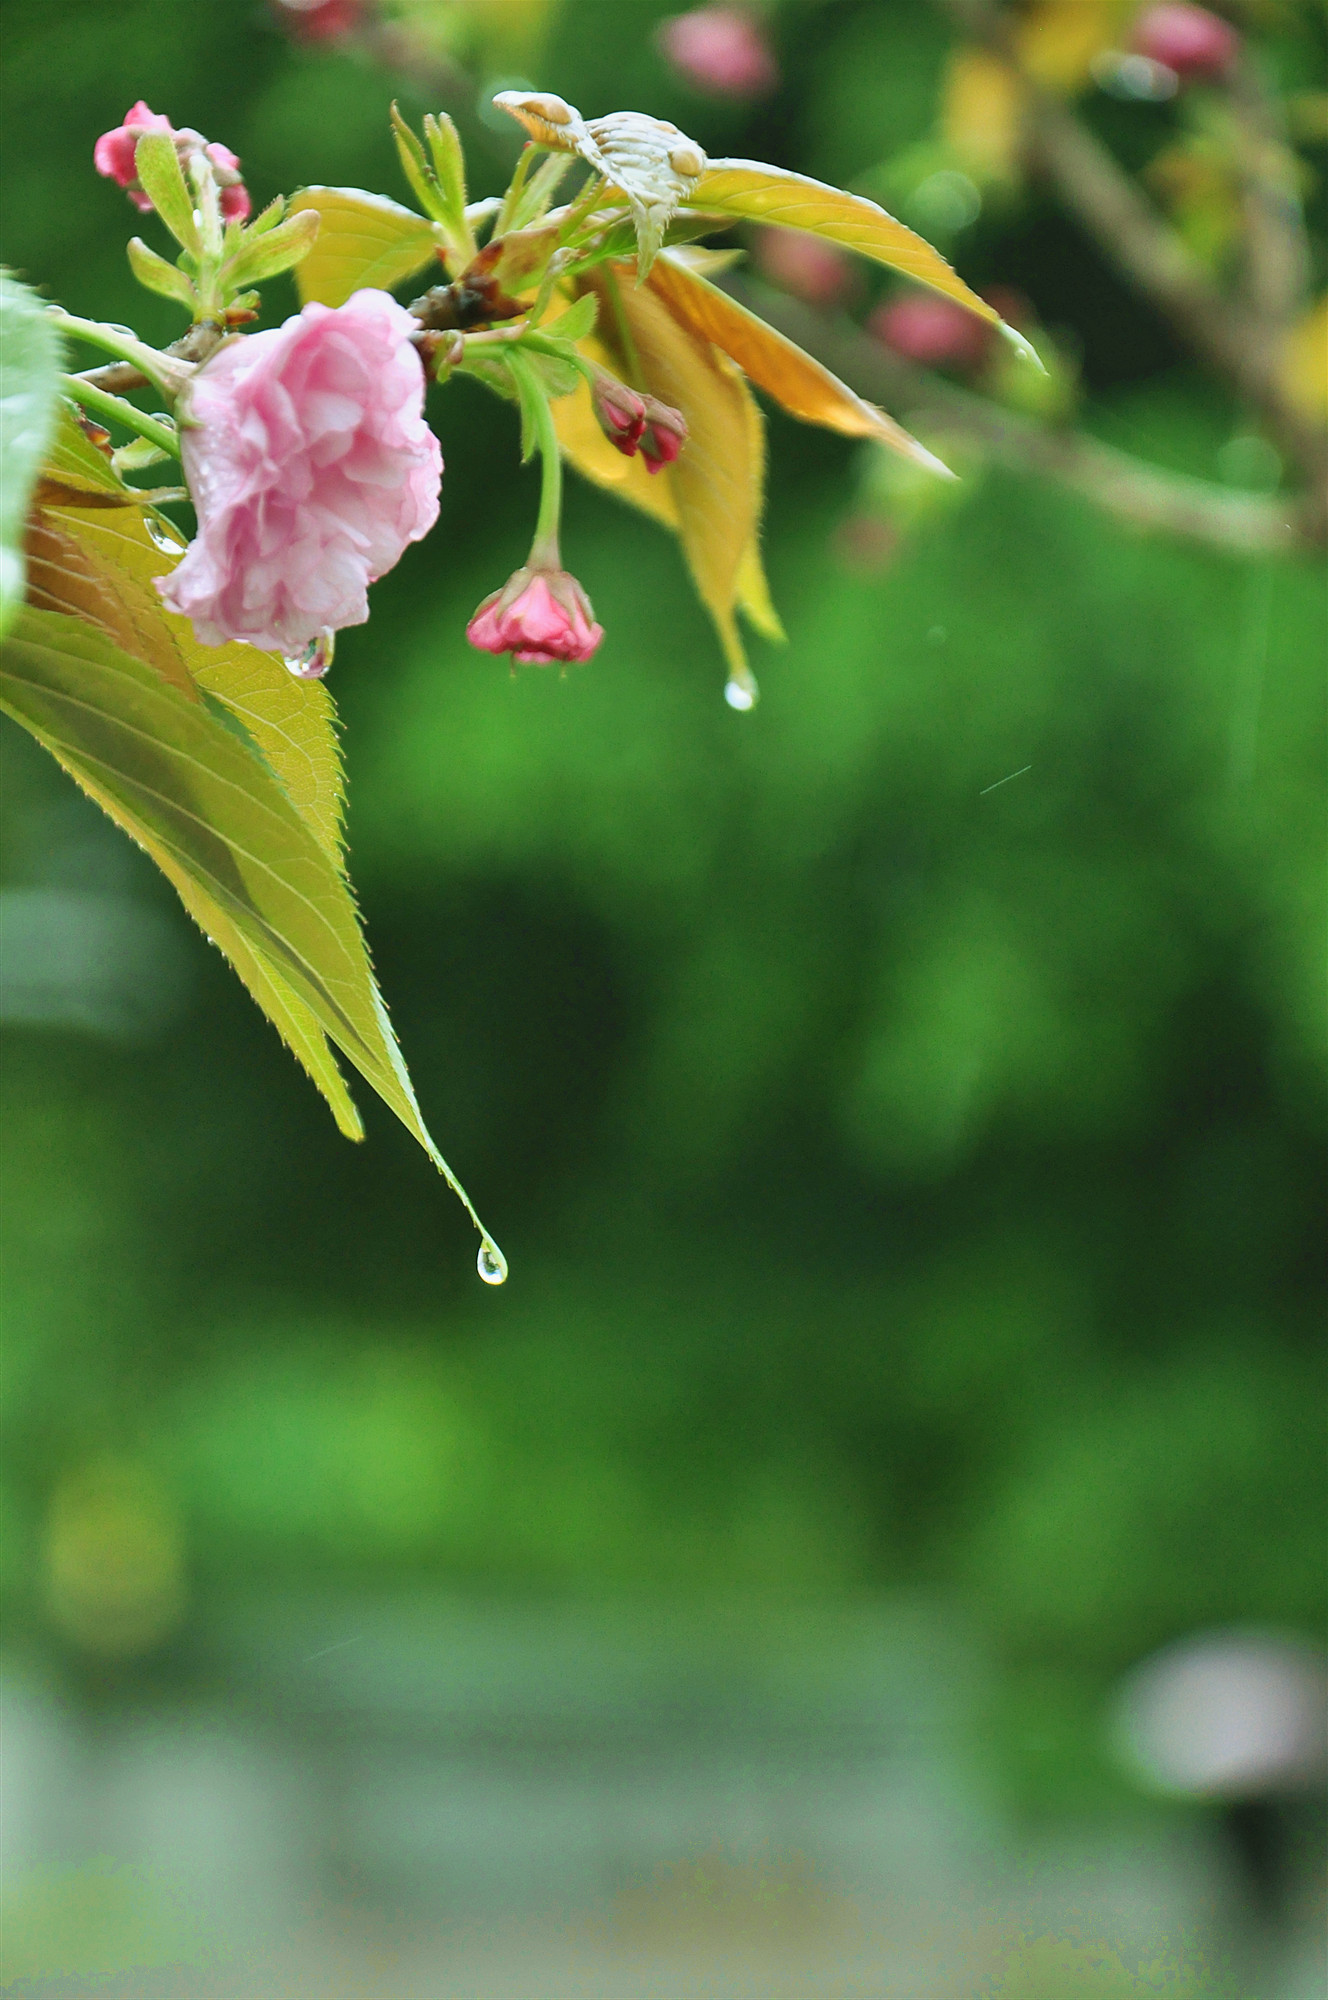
[
  {"x": 310, "y": 467},
  {"x": 113, "y": 157},
  {"x": 935, "y": 331},
  {"x": 619, "y": 412},
  {"x": 320, "y": 20},
  {"x": 722, "y": 50},
  {"x": 1188, "y": 40},
  {"x": 806, "y": 266},
  {"x": 540, "y": 617}
]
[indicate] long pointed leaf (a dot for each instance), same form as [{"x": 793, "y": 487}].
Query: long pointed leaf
[{"x": 214, "y": 818}]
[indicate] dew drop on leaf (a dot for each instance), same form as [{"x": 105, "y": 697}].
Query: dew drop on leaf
[
  {"x": 163, "y": 537},
  {"x": 491, "y": 1263},
  {"x": 741, "y": 695},
  {"x": 314, "y": 661}
]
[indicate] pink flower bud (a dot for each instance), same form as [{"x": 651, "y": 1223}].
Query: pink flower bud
[
  {"x": 113, "y": 156},
  {"x": 924, "y": 327},
  {"x": 664, "y": 435},
  {"x": 721, "y": 50},
  {"x": 540, "y": 616},
  {"x": 310, "y": 467},
  {"x": 806, "y": 266},
  {"x": 1188, "y": 40},
  {"x": 619, "y": 412}
]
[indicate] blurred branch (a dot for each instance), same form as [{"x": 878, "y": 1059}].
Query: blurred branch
[
  {"x": 1277, "y": 261},
  {"x": 1142, "y": 244},
  {"x": 1240, "y": 523}
]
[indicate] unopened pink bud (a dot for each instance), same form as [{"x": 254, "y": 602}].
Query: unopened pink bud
[
  {"x": 113, "y": 154},
  {"x": 542, "y": 617},
  {"x": 806, "y": 266},
  {"x": 927, "y": 328},
  {"x": 721, "y": 50},
  {"x": 619, "y": 412},
  {"x": 1188, "y": 40},
  {"x": 664, "y": 435}
]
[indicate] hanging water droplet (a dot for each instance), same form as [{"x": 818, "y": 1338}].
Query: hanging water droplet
[
  {"x": 162, "y": 536},
  {"x": 742, "y": 694},
  {"x": 491, "y": 1263},
  {"x": 314, "y": 661}
]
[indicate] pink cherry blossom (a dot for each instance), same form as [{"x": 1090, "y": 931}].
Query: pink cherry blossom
[
  {"x": 721, "y": 50},
  {"x": 113, "y": 156},
  {"x": 540, "y": 616},
  {"x": 311, "y": 467}
]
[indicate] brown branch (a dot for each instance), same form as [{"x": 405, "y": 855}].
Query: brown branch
[
  {"x": 1147, "y": 250},
  {"x": 1144, "y": 496},
  {"x": 195, "y": 344}
]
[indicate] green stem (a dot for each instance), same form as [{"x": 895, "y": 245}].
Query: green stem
[
  {"x": 121, "y": 412},
  {"x": 623, "y": 331},
  {"x": 125, "y": 346},
  {"x": 544, "y": 550}
]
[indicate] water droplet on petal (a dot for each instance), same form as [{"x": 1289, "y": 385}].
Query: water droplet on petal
[
  {"x": 491, "y": 1263},
  {"x": 742, "y": 694},
  {"x": 314, "y": 661},
  {"x": 162, "y": 536}
]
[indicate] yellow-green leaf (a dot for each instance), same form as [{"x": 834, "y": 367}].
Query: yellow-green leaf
[
  {"x": 363, "y": 239},
  {"x": 759, "y": 193},
  {"x": 218, "y": 824},
  {"x": 803, "y": 387}
]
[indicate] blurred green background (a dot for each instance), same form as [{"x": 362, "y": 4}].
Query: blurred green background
[{"x": 911, "y": 1187}]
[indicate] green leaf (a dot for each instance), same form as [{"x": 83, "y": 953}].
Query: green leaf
[
  {"x": 218, "y": 824},
  {"x": 30, "y": 365},
  {"x": 157, "y": 166},
  {"x": 757, "y": 193},
  {"x": 449, "y": 164},
  {"x": 278, "y": 249},
  {"x": 363, "y": 239},
  {"x": 159, "y": 276}
]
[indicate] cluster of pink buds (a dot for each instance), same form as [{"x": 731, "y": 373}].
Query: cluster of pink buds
[
  {"x": 113, "y": 156},
  {"x": 635, "y": 423}
]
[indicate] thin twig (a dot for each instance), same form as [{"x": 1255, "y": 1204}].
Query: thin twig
[{"x": 1145, "y": 496}]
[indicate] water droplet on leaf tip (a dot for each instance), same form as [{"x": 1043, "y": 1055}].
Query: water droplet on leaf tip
[
  {"x": 163, "y": 537},
  {"x": 741, "y": 695},
  {"x": 491, "y": 1264},
  {"x": 314, "y": 661}
]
